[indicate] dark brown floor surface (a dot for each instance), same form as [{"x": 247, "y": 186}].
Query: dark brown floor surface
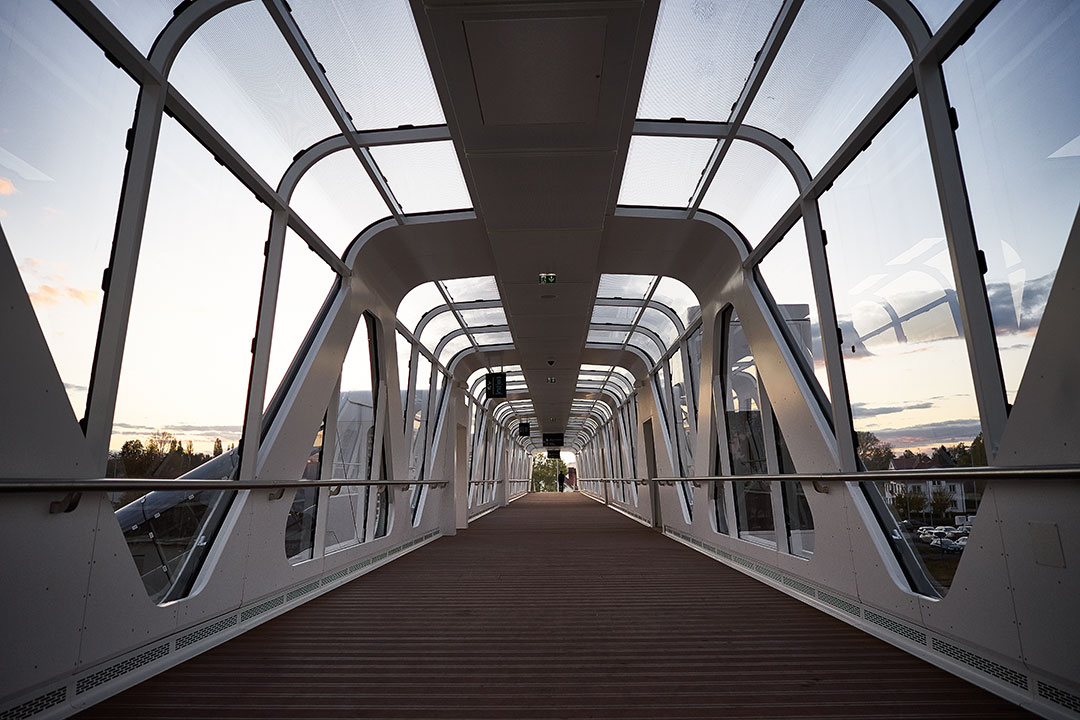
[{"x": 555, "y": 607}]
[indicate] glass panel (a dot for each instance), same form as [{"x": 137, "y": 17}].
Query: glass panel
[
  {"x": 416, "y": 303},
  {"x": 786, "y": 271},
  {"x": 438, "y": 327},
  {"x": 60, "y": 180},
  {"x": 199, "y": 272},
  {"x": 1014, "y": 87},
  {"x": 751, "y": 189},
  {"x": 905, "y": 359},
  {"x": 610, "y": 337},
  {"x": 753, "y": 511},
  {"x": 168, "y": 534},
  {"x": 646, "y": 344},
  {"x": 452, "y": 348},
  {"x": 337, "y": 200},
  {"x": 690, "y": 75},
  {"x": 404, "y": 353},
  {"x": 720, "y": 507},
  {"x": 746, "y": 438},
  {"x": 693, "y": 350},
  {"x": 936, "y": 12},
  {"x": 483, "y": 316},
  {"x": 614, "y": 314},
  {"x": 374, "y": 58},
  {"x": 418, "y": 414},
  {"x": 493, "y": 338},
  {"x": 839, "y": 58},
  {"x": 625, "y": 287},
  {"x": 302, "y": 290},
  {"x": 661, "y": 324},
  {"x": 424, "y": 177},
  {"x": 463, "y": 290},
  {"x": 800, "y": 522},
  {"x": 139, "y": 22},
  {"x": 663, "y": 171},
  {"x": 347, "y": 506},
  {"x": 906, "y": 362},
  {"x": 300, "y": 524},
  {"x": 682, "y": 405},
  {"x": 239, "y": 73},
  {"x": 680, "y": 298}
]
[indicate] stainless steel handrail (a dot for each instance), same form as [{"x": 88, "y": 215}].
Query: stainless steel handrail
[
  {"x": 1052, "y": 473},
  {"x": 109, "y": 484}
]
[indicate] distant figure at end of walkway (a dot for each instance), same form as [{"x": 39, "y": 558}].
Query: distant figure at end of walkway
[{"x": 562, "y": 480}]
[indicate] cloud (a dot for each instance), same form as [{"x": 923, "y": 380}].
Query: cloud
[
  {"x": 74, "y": 387},
  {"x": 862, "y": 410},
  {"x": 47, "y": 295},
  {"x": 939, "y": 433},
  {"x": 183, "y": 431},
  {"x": 7, "y": 187},
  {"x": 1036, "y": 293},
  {"x": 3, "y": 213}
]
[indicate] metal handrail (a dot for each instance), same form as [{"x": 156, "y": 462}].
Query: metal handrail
[
  {"x": 1056, "y": 473},
  {"x": 110, "y": 484}
]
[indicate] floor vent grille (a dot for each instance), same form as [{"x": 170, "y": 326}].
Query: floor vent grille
[
  {"x": 898, "y": 628},
  {"x": 978, "y": 662},
  {"x": 38, "y": 704},
  {"x": 840, "y": 603},
  {"x": 335, "y": 576},
  {"x": 1059, "y": 696},
  {"x": 301, "y": 591},
  {"x": 800, "y": 586},
  {"x": 259, "y": 609},
  {"x": 121, "y": 668},
  {"x": 202, "y": 633}
]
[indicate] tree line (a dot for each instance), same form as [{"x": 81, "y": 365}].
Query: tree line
[
  {"x": 163, "y": 455},
  {"x": 877, "y": 454}
]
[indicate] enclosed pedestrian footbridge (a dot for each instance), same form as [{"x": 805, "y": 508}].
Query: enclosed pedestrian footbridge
[{"x": 309, "y": 306}]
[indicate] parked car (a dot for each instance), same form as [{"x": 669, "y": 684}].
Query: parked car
[
  {"x": 946, "y": 545},
  {"x": 962, "y": 542}
]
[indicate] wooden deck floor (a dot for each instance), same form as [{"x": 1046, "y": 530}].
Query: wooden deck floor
[{"x": 555, "y": 607}]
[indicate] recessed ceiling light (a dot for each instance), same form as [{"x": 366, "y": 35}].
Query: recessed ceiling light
[{"x": 553, "y": 380}]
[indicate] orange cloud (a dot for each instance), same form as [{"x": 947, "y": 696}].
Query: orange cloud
[
  {"x": 3, "y": 212},
  {"x": 6, "y": 186},
  {"x": 48, "y": 295},
  {"x": 45, "y": 295},
  {"x": 86, "y": 297}
]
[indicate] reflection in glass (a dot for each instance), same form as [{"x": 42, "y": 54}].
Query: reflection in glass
[
  {"x": 719, "y": 507},
  {"x": 300, "y": 524},
  {"x": 418, "y": 413},
  {"x": 350, "y": 507},
  {"x": 753, "y": 510},
  {"x": 800, "y": 522},
  {"x": 60, "y": 180},
  {"x": 1014, "y": 87},
  {"x": 912, "y": 397},
  {"x": 679, "y": 297}
]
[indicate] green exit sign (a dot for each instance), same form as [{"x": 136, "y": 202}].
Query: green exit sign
[{"x": 547, "y": 278}]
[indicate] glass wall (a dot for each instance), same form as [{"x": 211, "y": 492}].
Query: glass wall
[
  {"x": 60, "y": 180},
  {"x": 351, "y": 515},
  {"x": 1013, "y": 84}
]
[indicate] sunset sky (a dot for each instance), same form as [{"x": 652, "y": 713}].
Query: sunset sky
[{"x": 66, "y": 110}]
